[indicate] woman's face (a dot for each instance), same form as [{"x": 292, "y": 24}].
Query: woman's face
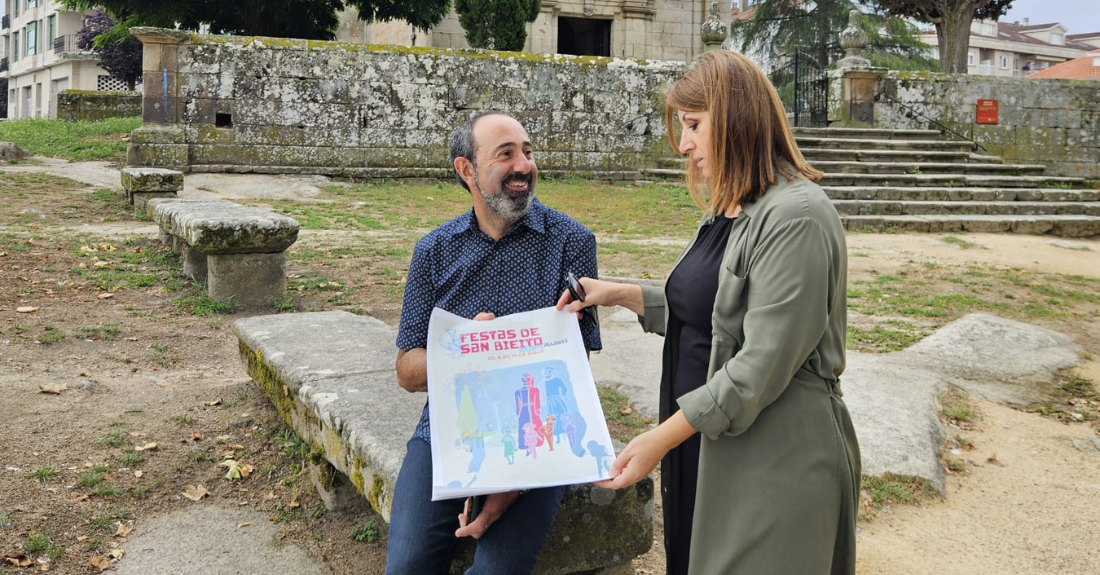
[{"x": 695, "y": 139}]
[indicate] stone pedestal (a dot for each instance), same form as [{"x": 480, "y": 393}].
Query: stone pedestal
[
  {"x": 194, "y": 262},
  {"x": 856, "y": 104},
  {"x": 140, "y": 199},
  {"x": 247, "y": 279}
]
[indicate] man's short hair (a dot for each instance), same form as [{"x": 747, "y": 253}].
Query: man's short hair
[{"x": 463, "y": 144}]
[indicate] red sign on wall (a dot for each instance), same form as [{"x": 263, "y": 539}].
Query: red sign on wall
[{"x": 987, "y": 111}]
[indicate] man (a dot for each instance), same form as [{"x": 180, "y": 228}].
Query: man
[{"x": 509, "y": 254}]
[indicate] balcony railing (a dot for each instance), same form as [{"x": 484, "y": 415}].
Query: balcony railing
[
  {"x": 3, "y": 64},
  {"x": 67, "y": 45},
  {"x": 5, "y": 23}
]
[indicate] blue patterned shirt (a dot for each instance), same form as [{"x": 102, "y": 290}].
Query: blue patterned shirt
[{"x": 459, "y": 268}]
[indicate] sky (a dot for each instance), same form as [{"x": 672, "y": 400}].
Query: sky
[{"x": 1079, "y": 16}]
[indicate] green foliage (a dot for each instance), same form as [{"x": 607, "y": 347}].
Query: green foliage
[
  {"x": 310, "y": 19},
  {"x": 496, "y": 24},
  {"x": 76, "y": 141},
  {"x": 204, "y": 305},
  {"x": 39, "y": 543},
  {"x": 369, "y": 531},
  {"x": 45, "y": 473}
]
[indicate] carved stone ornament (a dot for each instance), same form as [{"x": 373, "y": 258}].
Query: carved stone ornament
[
  {"x": 713, "y": 31},
  {"x": 853, "y": 39}
]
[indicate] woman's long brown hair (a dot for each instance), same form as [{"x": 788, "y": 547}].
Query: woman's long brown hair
[{"x": 750, "y": 135}]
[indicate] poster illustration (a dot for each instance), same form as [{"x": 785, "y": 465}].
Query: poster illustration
[{"x": 512, "y": 404}]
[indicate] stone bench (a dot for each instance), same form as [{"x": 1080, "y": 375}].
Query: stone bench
[
  {"x": 239, "y": 251},
  {"x": 143, "y": 184},
  {"x": 331, "y": 376}
]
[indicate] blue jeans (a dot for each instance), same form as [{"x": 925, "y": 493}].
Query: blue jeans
[{"x": 422, "y": 531}]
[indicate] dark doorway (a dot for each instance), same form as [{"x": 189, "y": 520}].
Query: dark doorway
[{"x": 584, "y": 37}]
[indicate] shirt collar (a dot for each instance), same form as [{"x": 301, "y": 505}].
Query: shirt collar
[{"x": 535, "y": 219}]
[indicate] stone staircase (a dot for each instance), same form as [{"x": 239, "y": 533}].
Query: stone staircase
[{"x": 913, "y": 180}]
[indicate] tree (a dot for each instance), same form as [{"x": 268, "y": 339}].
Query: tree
[
  {"x": 784, "y": 26},
  {"x": 123, "y": 59},
  {"x": 952, "y": 19},
  {"x": 497, "y": 24},
  {"x": 310, "y": 19}
]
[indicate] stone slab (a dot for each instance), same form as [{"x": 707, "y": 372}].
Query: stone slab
[
  {"x": 151, "y": 180},
  {"x": 246, "y": 279},
  {"x": 331, "y": 376},
  {"x": 221, "y": 227}
]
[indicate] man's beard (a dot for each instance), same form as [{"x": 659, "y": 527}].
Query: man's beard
[{"x": 509, "y": 207}]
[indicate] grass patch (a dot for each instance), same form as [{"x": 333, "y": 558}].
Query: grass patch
[
  {"x": 622, "y": 421},
  {"x": 92, "y": 478},
  {"x": 956, "y": 408},
  {"x": 130, "y": 458},
  {"x": 75, "y": 141},
  {"x": 113, "y": 438},
  {"x": 50, "y": 334},
  {"x": 204, "y": 305},
  {"x": 107, "y": 332},
  {"x": 39, "y": 543},
  {"x": 955, "y": 241},
  {"x": 45, "y": 473},
  {"x": 879, "y": 492},
  {"x": 882, "y": 339},
  {"x": 368, "y": 532}
]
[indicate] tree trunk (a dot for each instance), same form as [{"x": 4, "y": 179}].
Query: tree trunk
[{"x": 953, "y": 35}]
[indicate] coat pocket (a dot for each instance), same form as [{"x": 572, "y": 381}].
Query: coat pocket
[{"x": 729, "y": 306}]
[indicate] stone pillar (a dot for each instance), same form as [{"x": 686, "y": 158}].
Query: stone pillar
[
  {"x": 159, "y": 142},
  {"x": 713, "y": 31},
  {"x": 637, "y": 15},
  {"x": 194, "y": 262},
  {"x": 247, "y": 279},
  {"x": 854, "y": 80}
]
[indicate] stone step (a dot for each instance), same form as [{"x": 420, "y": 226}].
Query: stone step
[
  {"x": 880, "y": 144},
  {"x": 949, "y": 207},
  {"x": 866, "y": 133},
  {"x": 865, "y": 167},
  {"x": 961, "y": 194},
  {"x": 847, "y": 155},
  {"x": 1065, "y": 226},
  {"x": 950, "y": 180}
]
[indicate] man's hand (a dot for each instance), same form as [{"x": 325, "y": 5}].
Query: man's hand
[{"x": 495, "y": 506}]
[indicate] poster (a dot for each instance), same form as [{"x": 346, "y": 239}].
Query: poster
[{"x": 512, "y": 405}]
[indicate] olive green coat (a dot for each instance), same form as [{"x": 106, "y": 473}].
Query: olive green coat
[{"x": 779, "y": 466}]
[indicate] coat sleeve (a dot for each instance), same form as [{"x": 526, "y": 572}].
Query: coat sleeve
[
  {"x": 653, "y": 303},
  {"x": 786, "y": 316}
]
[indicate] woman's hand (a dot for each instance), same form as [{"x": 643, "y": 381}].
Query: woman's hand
[
  {"x": 639, "y": 458},
  {"x": 600, "y": 292},
  {"x": 495, "y": 506}
]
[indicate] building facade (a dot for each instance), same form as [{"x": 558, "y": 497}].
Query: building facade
[
  {"x": 650, "y": 29},
  {"x": 40, "y": 57},
  {"x": 1020, "y": 48}
]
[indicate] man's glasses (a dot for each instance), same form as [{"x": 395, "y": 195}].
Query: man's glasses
[{"x": 576, "y": 290}]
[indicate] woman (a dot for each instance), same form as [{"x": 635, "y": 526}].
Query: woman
[{"x": 753, "y": 314}]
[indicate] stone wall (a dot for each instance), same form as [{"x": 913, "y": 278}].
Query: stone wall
[
  {"x": 91, "y": 106},
  {"x": 240, "y": 104},
  {"x": 1041, "y": 121}
]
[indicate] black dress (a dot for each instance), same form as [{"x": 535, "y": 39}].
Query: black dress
[{"x": 690, "y": 291}]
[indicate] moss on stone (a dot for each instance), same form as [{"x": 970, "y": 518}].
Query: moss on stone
[
  {"x": 375, "y": 493},
  {"x": 268, "y": 381}
]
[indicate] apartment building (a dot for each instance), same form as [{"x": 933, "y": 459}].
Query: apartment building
[
  {"x": 1020, "y": 48},
  {"x": 40, "y": 57}
]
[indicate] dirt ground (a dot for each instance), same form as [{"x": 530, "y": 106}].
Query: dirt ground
[{"x": 147, "y": 401}]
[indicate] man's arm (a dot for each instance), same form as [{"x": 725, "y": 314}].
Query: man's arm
[{"x": 412, "y": 369}]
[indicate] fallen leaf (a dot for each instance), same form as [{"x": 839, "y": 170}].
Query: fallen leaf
[
  {"x": 123, "y": 530},
  {"x": 19, "y": 560},
  {"x": 101, "y": 264},
  {"x": 131, "y": 339},
  {"x": 626, "y": 410},
  {"x": 100, "y": 563},
  {"x": 237, "y": 469},
  {"x": 993, "y": 459},
  {"x": 269, "y": 496},
  {"x": 116, "y": 554},
  {"x": 139, "y": 473},
  {"x": 147, "y": 447},
  {"x": 82, "y": 498},
  {"x": 214, "y": 402},
  {"x": 52, "y": 389},
  {"x": 293, "y": 503},
  {"x": 83, "y": 538},
  {"x": 26, "y": 309},
  {"x": 191, "y": 438},
  {"x": 106, "y": 295},
  {"x": 194, "y": 493},
  {"x": 245, "y": 524}
]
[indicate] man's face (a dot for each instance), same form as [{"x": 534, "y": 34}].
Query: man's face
[{"x": 505, "y": 172}]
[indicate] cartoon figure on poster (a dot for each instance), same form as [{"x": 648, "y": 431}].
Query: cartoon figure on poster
[{"x": 486, "y": 432}]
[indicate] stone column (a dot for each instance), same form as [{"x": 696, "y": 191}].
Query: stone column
[
  {"x": 159, "y": 141},
  {"x": 637, "y": 15},
  {"x": 713, "y": 31},
  {"x": 855, "y": 80}
]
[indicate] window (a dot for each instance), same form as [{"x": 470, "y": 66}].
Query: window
[
  {"x": 969, "y": 58},
  {"x": 32, "y": 4},
  {"x": 32, "y": 38},
  {"x": 17, "y": 3},
  {"x": 51, "y": 29},
  {"x": 584, "y": 36},
  {"x": 989, "y": 29},
  {"x": 15, "y": 45},
  {"x": 1004, "y": 62},
  {"x": 1056, "y": 38}
]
